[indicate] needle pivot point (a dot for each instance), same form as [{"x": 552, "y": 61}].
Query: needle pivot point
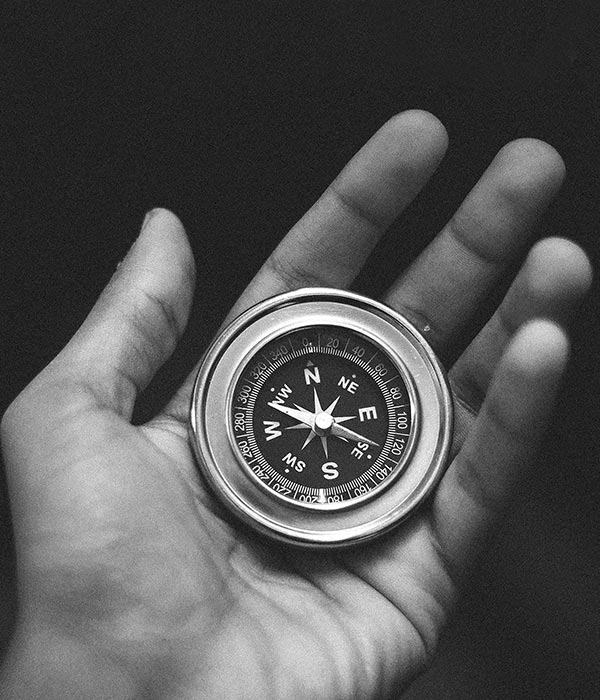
[{"x": 323, "y": 423}]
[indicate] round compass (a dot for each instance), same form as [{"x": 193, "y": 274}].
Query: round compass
[{"x": 321, "y": 417}]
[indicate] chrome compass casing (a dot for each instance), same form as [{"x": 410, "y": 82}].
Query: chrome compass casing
[{"x": 321, "y": 418}]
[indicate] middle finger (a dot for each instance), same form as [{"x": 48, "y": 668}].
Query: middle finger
[{"x": 443, "y": 288}]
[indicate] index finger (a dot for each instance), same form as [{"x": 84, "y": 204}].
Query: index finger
[{"x": 330, "y": 244}]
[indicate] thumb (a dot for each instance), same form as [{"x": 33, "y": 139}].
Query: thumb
[
  {"x": 139, "y": 318},
  {"x": 136, "y": 323},
  {"x": 50, "y": 445}
]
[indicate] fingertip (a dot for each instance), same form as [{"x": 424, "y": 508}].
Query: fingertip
[
  {"x": 539, "y": 349},
  {"x": 150, "y": 215},
  {"x": 558, "y": 269},
  {"x": 164, "y": 216},
  {"x": 533, "y": 166},
  {"x": 162, "y": 223},
  {"x": 421, "y": 130},
  {"x": 420, "y": 123},
  {"x": 163, "y": 235}
]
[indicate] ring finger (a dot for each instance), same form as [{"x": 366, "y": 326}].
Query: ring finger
[{"x": 554, "y": 278}]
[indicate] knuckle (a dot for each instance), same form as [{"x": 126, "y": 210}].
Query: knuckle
[
  {"x": 154, "y": 327},
  {"x": 520, "y": 433},
  {"x": 468, "y": 391},
  {"x": 487, "y": 248},
  {"x": 166, "y": 314},
  {"x": 478, "y": 487},
  {"x": 361, "y": 211},
  {"x": 292, "y": 274}
]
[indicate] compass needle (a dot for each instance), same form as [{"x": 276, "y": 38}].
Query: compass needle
[
  {"x": 341, "y": 431},
  {"x": 332, "y": 406},
  {"x": 309, "y": 439},
  {"x": 293, "y": 351},
  {"x": 343, "y": 419},
  {"x": 298, "y": 413},
  {"x": 318, "y": 408}
]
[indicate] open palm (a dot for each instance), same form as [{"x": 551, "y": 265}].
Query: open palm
[{"x": 132, "y": 580}]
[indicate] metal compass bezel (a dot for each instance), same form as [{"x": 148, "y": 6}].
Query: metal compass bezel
[{"x": 235, "y": 485}]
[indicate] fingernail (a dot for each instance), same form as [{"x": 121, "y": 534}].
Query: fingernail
[
  {"x": 145, "y": 223},
  {"x": 149, "y": 216}
]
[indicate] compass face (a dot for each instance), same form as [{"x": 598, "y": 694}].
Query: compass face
[{"x": 322, "y": 416}]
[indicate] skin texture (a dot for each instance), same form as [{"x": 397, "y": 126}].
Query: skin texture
[{"x": 132, "y": 581}]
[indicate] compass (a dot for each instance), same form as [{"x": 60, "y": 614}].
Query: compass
[{"x": 321, "y": 418}]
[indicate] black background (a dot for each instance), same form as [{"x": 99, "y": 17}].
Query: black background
[{"x": 236, "y": 115}]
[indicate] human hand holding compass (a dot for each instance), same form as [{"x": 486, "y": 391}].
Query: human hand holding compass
[{"x": 133, "y": 576}]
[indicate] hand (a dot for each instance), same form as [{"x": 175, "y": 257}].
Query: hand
[{"x": 132, "y": 581}]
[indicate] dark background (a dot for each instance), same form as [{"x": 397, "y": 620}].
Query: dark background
[{"x": 236, "y": 115}]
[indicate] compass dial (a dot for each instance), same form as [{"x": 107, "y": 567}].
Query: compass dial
[{"x": 323, "y": 416}]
